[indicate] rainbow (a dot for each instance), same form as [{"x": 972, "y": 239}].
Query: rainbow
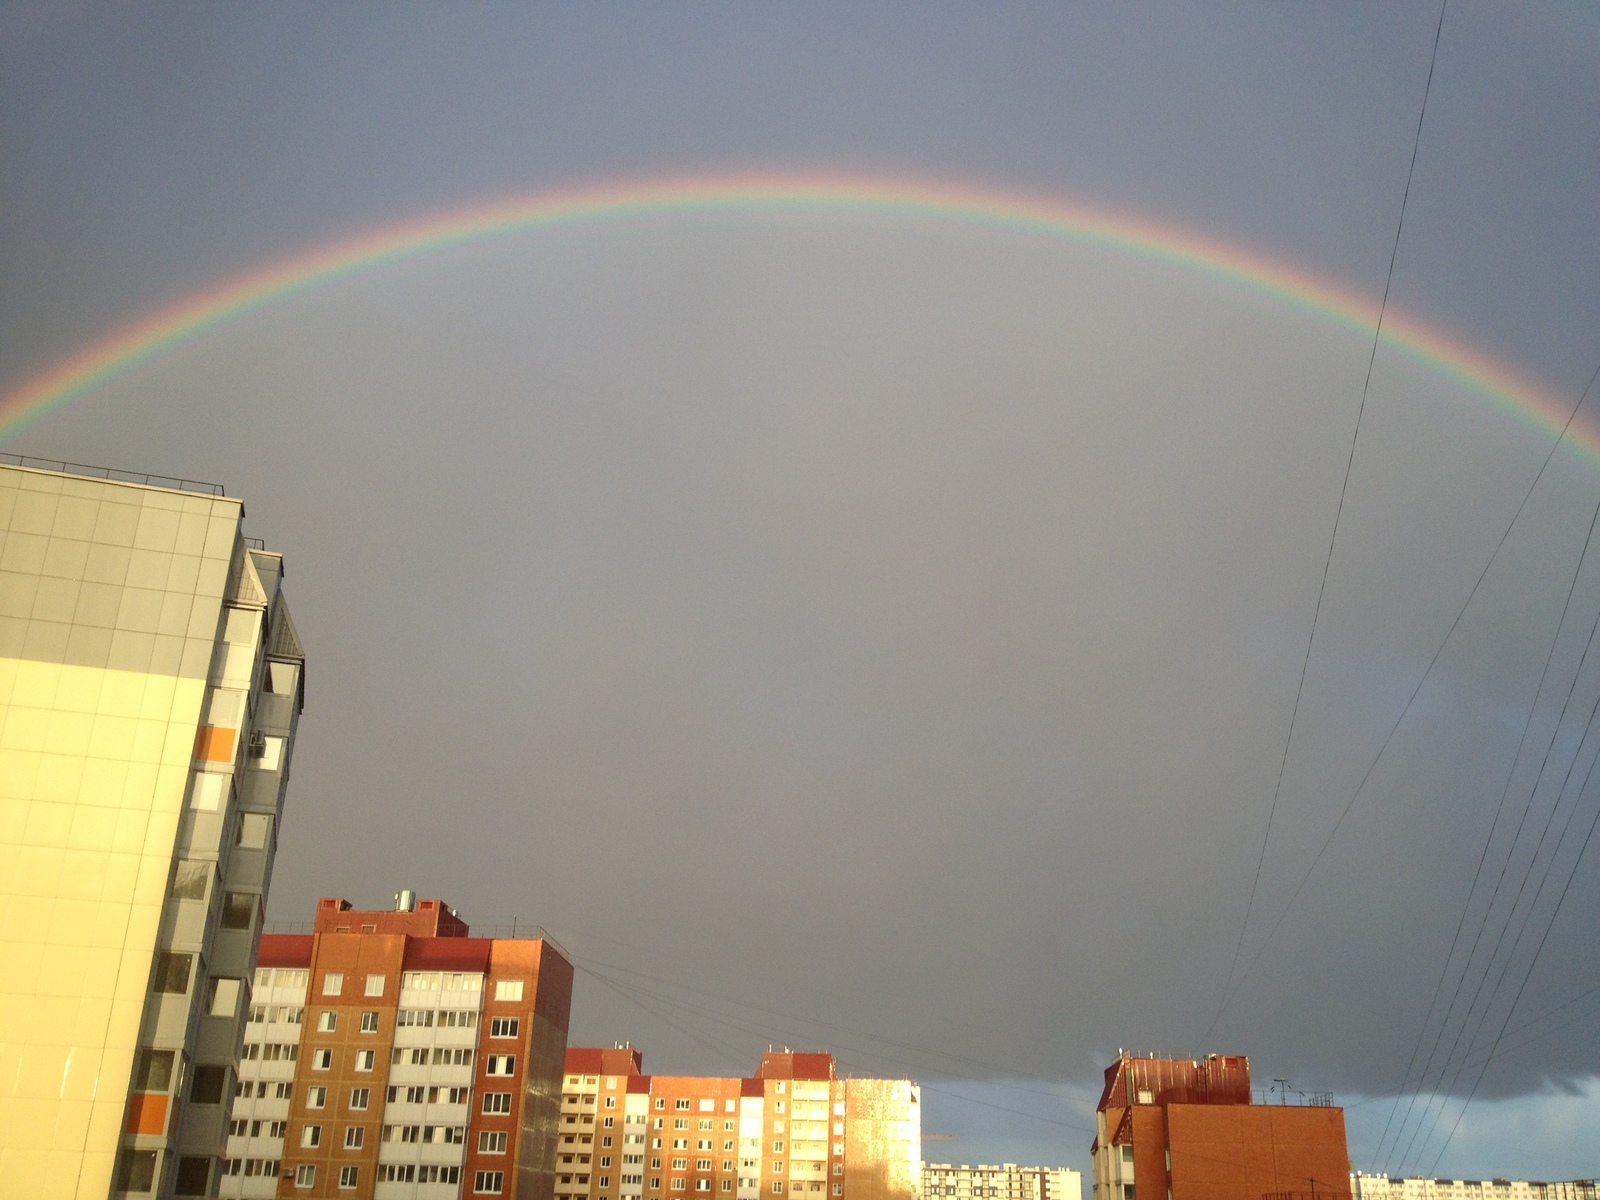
[{"x": 126, "y": 348}]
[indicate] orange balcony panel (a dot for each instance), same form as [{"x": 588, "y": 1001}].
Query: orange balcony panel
[
  {"x": 147, "y": 1113},
  {"x": 212, "y": 743}
]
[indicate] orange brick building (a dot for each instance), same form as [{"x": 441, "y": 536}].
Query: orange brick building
[
  {"x": 793, "y": 1129},
  {"x": 390, "y": 1055},
  {"x": 1177, "y": 1129}
]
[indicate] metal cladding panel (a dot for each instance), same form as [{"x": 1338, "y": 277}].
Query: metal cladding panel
[
  {"x": 787, "y": 1064},
  {"x": 883, "y": 1139},
  {"x": 285, "y": 950},
  {"x": 597, "y": 1060},
  {"x": 447, "y": 954},
  {"x": 1217, "y": 1079}
]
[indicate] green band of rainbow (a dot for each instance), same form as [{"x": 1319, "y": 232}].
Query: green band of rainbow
[{"x": 135, "y": 343}]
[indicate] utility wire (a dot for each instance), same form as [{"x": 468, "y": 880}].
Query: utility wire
[
  {"x": 1561, "y": 900},
  {"x": 1532, "y": 905},
  {"x": 1515, "y": 837},
  {"x": 1516, "y": 758},
  {"x": 1333, "y": 538}
]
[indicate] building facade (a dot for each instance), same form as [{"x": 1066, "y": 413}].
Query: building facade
[
  {"x": 1185, "y": 1129},
  {"x": 1382, "y": 1187},
  {"x": 151, "y": 683},
  {"x": 1004, "y": 1182},
  {"x": 390, "y": 1055},
  {"x": 793, "y": 1128}
]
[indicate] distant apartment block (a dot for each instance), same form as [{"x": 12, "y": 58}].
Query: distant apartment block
[
  {"x": 1004, "y": 1182},
  {"x": 1382, "y": 1187},
  {"x": 1188, "y": 1130},
  {"x": 794, "y": 1128},
  {"x": 392, "y": 1055},
  {"x": 151, "y": 683}
]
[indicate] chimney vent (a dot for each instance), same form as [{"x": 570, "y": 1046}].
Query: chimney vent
[{"x": 405, "y": 901}]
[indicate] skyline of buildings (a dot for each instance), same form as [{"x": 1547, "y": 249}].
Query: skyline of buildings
[
  {"x": 157, "y": 1043},
  {"x": 152, "y": 683}
]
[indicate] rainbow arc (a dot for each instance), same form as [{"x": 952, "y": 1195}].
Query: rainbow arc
[{"x": 1438, "y": 351}]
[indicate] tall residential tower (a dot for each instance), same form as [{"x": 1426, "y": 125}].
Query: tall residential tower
[{"x": 150, "y": 687}]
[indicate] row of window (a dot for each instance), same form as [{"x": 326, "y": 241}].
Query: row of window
[
  {"x": 446, "y": 1018},
  {"x": 419, "y": 1173},
  {"x": 450, "y": 1135},
  {"x": 244, "y": 1128},
  {"x": 442, "y": 1095},
  {"x": 277, "y": 1014},
  {"x": 270, "y": 1052},
  {"x": 245, "y": 1089},
  {"x": 250, "y": 1166}
]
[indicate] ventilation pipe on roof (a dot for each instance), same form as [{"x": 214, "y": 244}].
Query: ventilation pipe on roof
[{"x": 405, "y": 900}]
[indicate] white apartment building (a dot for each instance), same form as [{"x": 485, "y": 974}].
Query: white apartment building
[
  {"x": 1004, "y": 1182},
  {"x": 1382, "y": 1187}
]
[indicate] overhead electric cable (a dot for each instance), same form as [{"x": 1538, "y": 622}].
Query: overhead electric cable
[
  {"x": 1561, "y": 900},
  {"x": 1510, "y": 853},
  {"x": 1333, "y": 537}
]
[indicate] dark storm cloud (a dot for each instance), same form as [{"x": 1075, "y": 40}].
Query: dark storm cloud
[{"x": 887, "y": 630}]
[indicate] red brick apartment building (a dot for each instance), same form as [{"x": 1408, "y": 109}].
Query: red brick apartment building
[
  {"x": 390, "y": 1055},
  {"x": 1176, "y": 1129},
  {"x": 792, "y": 1129}
]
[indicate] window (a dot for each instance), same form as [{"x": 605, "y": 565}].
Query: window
[
  {"x": 375, "y": 985},
  {"x": 281, "y": 678},
  {"x": 266, "y": 753},
  {"x": 492, "y": 1142},
  {"x": 506, "y": 1027},
  {"x": 702, "y": 1164},
  {"x": 311, "y": 1136},
  {"x": 703, "y": 1144},
  {"x": 488, "y": 1182},
  {"x": 780, "y": 1087},
  {"x": 190, "y": 880},
  {"x": 255, "y": 830},
  {"x": 305, "y": 1175},
  {"x": 360, "y": 1098},
  {"x": 369, "y": 1022},
  {"x": 208, "y": 1085},
  {"x": 153, "y": 1072},
  {"x": 708, "y": 1124},
  {"x": 609, "y": 1122},
  {"x": 661, "y": 1102},
  {"x": 727, "y": 1185},
  {"x": 777, "y": 1166},
  {"x": 448, "y": 1095},
  {"x": 702, "y": 1185},
  {"x": 680, "y": 1164},
  {"x": 838, "y": 1168},
  {"x": 508, "y": 989},
  {"x": 207, "y": 793},
  {"x": 347, "y": 1175},
  {"x": 502, "y": 1064},
  {"x": 680, "y": 1104},
  {"x": 414, "y": 1016},
  {"x": 777, "y": 1186},
  {"x": 708, "y": 1106},
  {"x": 355, "y": 1137},
  {"x": 680, "y": 1143},
  {"x": 316, "y": 1097},
  {"x": 322, "y": 1060},
  {"x": 777, "y": 1147},
  {"x": 678, "y": 1184},
  {"x": 365, "y": 1059},
  {"x": 327, "y": 1021},
  {"x": 605, "y": 1160},
  {"x": 224, "y": 998},
  {"x": 838, "y": 1189},
  {"x": 727, "y": 1145},
  {"x": 136, "y": 1170},
  {"x": 333, "y": 983},
  {"x": 497, "y": 1102},
  {"x": 611, "y": 1101},
  {"x": 238, "y": 910},
  {"x": 172, "y": 973}
]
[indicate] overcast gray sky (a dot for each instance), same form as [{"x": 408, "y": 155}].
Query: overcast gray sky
[{"x": 865, "y": 632}]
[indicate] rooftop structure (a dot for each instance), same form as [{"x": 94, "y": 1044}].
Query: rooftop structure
[{"x": 1187, "y": 1129}]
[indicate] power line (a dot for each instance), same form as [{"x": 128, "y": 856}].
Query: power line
[
  {"x": 1510, "y": 854},
  {"x": 1333, "y": 537}
]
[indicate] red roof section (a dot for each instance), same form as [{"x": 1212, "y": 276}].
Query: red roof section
[
  {"x": 597, "y": 1060},
  {"x": 284, "y": 950},
  {"x": 448, "y": 954},
  {"x": 1215, "y": 1079},
  {"x": 432, "y": 918},
  {"x": 789, "y": 1064}
]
